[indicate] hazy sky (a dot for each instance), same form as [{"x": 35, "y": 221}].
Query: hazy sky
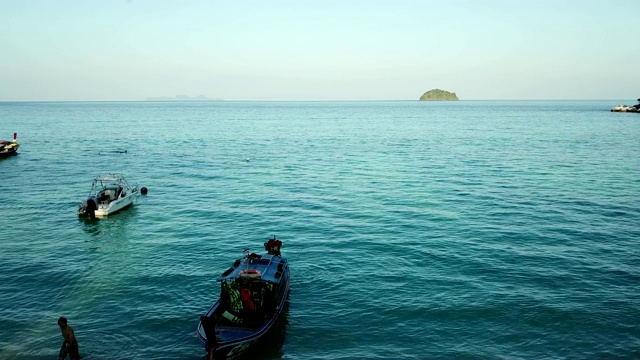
[{"x": 319, "y": 50}]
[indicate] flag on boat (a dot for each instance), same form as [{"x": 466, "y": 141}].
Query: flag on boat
[{"x": 246, "y": 251}]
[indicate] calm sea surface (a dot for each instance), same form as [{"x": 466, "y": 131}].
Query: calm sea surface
[{"x": 414, "y": 230}]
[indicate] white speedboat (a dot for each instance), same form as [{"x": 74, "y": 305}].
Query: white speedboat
[{"x": 109, "y": 194}]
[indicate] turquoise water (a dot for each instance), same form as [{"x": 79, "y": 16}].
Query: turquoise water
[{"x": 414, "y": 230}]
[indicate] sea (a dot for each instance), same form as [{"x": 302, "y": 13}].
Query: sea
[{"x": 414, "y": 230}]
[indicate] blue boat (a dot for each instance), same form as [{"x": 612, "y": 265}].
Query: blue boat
[{"x": 253, "y": 294}]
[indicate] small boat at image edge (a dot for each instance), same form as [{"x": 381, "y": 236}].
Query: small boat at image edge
[
  {"x": 109, "y": 193},
  {"x": 8, "y": 148},
  {"x": 253, "y": 294}
]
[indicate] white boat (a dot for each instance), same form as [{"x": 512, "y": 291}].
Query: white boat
[{"x": 109, "y": 194}]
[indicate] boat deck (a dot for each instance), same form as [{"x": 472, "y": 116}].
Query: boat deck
[
  {"x": 230, "y": 333},
  {"x": 270, "y": 267}
]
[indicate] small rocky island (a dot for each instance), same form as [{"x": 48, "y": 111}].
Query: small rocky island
[{"x": 438, "y": 95}]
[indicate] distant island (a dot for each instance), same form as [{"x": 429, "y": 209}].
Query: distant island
[
  {"x": 438, "y": 95},
  {"x": 182, "y": 98}
]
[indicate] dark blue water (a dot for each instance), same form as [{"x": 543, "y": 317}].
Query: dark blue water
[{"x": 414, "y": 230}]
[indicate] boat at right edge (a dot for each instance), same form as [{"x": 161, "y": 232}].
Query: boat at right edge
[{"x": 253, "y": 294}]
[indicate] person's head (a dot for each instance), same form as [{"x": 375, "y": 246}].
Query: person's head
[{"x": 62, "y": 322}]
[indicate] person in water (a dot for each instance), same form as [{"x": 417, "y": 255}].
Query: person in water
[{"x": 70, "y": 344}]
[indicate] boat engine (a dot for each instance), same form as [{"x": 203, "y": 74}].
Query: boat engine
[
  {"x": 90, "y": 210},
  {"x": 273, "y": 246}
]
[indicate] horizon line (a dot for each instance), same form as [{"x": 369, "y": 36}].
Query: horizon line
[{"x": 310, "y": 100}]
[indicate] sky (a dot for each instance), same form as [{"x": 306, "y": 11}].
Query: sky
[{"x": 299, "y": 50}]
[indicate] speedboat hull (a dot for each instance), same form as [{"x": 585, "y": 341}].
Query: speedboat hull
[{"x": 112, "y": 207}]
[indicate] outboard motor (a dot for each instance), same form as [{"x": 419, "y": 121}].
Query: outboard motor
[
  {"x": 273, "y": 246},
  {"x": 90, "y": 210}
]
